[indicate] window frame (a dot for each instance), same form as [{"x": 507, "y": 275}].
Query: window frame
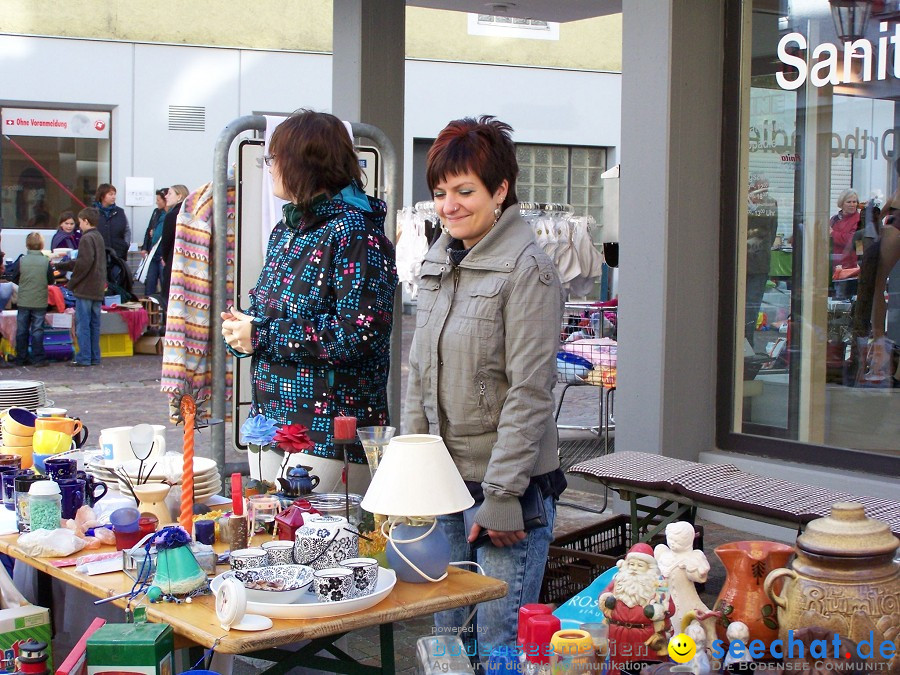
[{"x": 730, "y": 191}]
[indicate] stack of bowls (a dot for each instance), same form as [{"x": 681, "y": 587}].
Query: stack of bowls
[{"x": 17, "y": 425}]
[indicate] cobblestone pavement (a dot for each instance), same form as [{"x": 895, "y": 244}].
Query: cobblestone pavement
[{"x": 125, "y": 391}]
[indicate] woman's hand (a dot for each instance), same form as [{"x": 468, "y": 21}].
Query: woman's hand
[
  {"x": 237, "y": 329},
  {"x": 498, "y": 537},
  {"x": 143, "y": 253}
]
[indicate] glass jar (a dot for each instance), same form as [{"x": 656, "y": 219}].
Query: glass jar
[
  {"x": 22, "y": 485},
  {"x": 44, "y": 505},
  {"x": 334, "y": 504}
]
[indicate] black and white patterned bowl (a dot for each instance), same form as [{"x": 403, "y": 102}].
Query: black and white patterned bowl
[
  {"x": 365, "y": 575},
  {"x": 334, "y": 584},
  {"x": 296, "y": 579}
]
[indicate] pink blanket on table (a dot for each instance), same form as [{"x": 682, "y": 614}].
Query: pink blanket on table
[{"x": 135, "y": 319}]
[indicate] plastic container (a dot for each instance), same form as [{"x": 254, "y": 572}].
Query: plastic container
[
  {"x": 23, "y": 483},
  {"x": 44, "y": 505},
  {"x": 539, "y": 631},
  {"x": 125, "y": 519},
  {"x": 573, "y": 652}
]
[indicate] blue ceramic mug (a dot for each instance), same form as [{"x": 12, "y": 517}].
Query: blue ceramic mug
[
  {"x": 72, "y": 494},
  {"x": 60, "y": 468}
]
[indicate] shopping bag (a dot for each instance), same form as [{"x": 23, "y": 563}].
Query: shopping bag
[
  {"x": 140, "y": 274},
  {"x": 9, "y": 594}
]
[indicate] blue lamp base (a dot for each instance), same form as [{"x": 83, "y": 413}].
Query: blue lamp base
[{"x": 431, "y": 554}]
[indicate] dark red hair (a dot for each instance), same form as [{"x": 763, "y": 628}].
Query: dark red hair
[
  {"x": 481, "y": 146},
  {"x": 314, "y": 154}
]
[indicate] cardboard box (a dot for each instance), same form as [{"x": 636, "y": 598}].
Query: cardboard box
[
  {"x": 20, "y": 624},
  {"x": 57, "y": 320},
  {"x": 149, "y": 344},
  {"x": 134, "y": 648}
]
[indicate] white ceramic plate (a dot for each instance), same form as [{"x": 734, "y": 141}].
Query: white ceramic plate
[
  {"x": 310, "y": 608},
  {"x": 170, "y": 465}
]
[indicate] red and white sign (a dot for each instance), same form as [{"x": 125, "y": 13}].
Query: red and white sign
[{"x": 56, "y": 123}]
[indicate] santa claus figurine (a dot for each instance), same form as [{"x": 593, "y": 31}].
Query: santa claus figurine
[{"x": 638, "y": 607}]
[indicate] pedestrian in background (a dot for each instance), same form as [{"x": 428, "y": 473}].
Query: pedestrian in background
[
  {"x": 67, "y": 233},
  {"x": 151, "y": 246},
  {"x": 174, "y": 198},
  {"x": 113, "y": 225},
  {"x": 33, "y": 275},
  {"x": 88, "y": 283}
]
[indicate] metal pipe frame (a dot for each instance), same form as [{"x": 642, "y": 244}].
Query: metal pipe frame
[{"x": 392, "y": 191}]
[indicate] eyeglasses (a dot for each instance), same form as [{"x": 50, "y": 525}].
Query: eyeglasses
[{"x": 268, "y": 159}]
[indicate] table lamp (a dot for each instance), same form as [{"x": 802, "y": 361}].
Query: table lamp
[{"x": 415, "y": 482}]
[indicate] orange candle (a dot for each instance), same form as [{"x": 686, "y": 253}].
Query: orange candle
[{"x": 188, "y": 410}]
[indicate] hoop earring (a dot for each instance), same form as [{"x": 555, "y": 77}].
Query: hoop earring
[{"x": 497, "y": 213}]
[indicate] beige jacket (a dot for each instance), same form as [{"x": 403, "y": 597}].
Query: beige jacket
[{"x": 483, "y": 363}]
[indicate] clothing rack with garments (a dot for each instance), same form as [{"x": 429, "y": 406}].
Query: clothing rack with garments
[{"x": 568, "y": 240}]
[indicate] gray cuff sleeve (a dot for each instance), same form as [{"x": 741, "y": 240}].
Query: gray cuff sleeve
[{"x": 503, "y": 514}]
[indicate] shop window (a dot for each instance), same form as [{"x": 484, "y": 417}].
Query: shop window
[
  {"x": 819, "y": 124},
  {"x": 50, "y": 161}
]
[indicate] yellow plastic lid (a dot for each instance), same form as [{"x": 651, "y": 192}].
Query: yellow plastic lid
[{"x": 571, "y": 641}]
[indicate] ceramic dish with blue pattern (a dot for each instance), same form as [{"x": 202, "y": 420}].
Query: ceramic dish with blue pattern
[{"x": 279, "y": 584}]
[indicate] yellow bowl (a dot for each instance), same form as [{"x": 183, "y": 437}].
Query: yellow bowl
[
  {"x": 18, "y": 421},
  {"x": 47, "y": 442},
  {"x": 14, "y": 441},
  {"x": 24, "y": 453}
]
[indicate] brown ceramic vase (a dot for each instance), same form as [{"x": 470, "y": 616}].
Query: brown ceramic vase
[
  {"x": 743, "y": 598},
  {"x": 844, "y": 579}
]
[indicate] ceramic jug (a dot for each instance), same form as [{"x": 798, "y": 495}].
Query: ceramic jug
[
  {"x": 844, "y": 579},
  {"x": 743, "y": 597},
  {"x": 299, "y": 482}
]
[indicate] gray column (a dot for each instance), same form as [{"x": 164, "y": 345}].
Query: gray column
[
  {"x": 669, "y": 224},
  {"x": 368, "y": 67}
]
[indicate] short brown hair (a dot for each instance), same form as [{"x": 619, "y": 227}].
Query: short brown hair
[
  {"x": 90, "y": 214},
  {"x": 314, "y": 154},
  {"x": 64, "y": 216},
  {"x": 34, "y": 242},
  {"x": 102, "y": 190},
  {"x": 482, "y": 146}
]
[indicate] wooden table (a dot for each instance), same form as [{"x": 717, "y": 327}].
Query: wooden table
[{"x": 196, "y": 623}]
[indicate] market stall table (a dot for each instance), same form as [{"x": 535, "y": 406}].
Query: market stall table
[{"x": 197, "y": 624}]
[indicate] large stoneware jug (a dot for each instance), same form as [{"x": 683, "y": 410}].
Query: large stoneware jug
[
  {"x": 742, "y": 598},
  {"x": 843, "y": 579}
]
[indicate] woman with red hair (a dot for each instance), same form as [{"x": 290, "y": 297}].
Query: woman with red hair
[{"x": 482, "y": 366}]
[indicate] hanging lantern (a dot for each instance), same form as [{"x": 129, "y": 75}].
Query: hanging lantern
[{"x": 850, "y": 18}]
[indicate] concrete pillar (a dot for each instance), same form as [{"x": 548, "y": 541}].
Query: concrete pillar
[
  {"x": 669, "y": 225},
  {"x": 368, "y": 66}
]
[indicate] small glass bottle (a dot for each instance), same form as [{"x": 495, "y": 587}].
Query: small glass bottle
[{"x": 44, "y": 505}]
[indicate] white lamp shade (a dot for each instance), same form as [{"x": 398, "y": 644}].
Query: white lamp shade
[{"x": 417, "y": 477}]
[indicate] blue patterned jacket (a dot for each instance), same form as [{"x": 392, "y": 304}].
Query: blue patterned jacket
[{"x": 322, "y": 309}]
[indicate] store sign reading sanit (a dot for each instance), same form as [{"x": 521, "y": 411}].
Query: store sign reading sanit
[
  {"x": 860, "y": 59},
  {"x": 56, "y": 123}
]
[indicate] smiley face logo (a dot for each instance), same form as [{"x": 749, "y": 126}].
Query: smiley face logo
[{"x": 682, "y": 648}]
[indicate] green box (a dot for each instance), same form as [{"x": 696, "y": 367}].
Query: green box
[
  {"x": 133, "y": 648},
  {"x": 20, "y": 624}
]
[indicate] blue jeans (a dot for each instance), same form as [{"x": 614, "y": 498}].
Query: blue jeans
[
  {"x": 30, "y": 323},
  {"x": 520, "y": 566},
  {"x": 87, "y": 330},
  {"x": 154, "y": 275}
]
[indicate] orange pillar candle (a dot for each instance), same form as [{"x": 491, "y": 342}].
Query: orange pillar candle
[{"x": 188, "y": 411}]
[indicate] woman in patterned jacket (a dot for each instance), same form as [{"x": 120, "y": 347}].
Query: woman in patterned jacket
[{"x": 319, "y": 324}]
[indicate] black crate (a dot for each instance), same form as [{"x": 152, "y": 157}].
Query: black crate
[{"x": 576, "y": 559}]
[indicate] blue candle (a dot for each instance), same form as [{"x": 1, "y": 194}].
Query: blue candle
[{"x": 205, "y": 532}]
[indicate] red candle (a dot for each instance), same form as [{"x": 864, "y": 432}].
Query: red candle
[
  {"x": 344, "y": 428},
  {"x": 237, "y": 495}
]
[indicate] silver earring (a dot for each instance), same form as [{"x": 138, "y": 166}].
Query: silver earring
[
  {"x": 443, "y": 227},
  {"x": 497, "y": 213}
]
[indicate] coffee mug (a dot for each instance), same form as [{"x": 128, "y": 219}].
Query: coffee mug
[
  {"x": 8, "y": 486},
  {"x": 51, "y": 412},
  {"x": 12, "y": 460},
  {"x": 245, "y": 558},
  {"x": 58, "y": 468},
  {"x": 91, "y": 486},
  {"x": 72, "y": 494},
  {"x": 365, "y": 575},
  {"x": 48, "y": 442},
  {"x": 279, "y": 552},
  {"x": 333, "y": 584},
  {"x": 72, "y": 427}
]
